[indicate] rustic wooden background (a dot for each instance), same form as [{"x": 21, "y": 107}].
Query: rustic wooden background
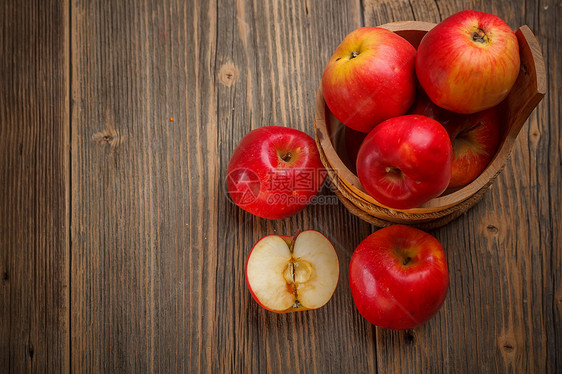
[{"x": 120, "y": 251}]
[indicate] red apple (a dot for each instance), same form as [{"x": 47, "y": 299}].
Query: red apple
[
  {"x": 398, "y": 277},
  {"x": 424, "y": 106},
  {"x": 370, "y": 78},
  {"x": 475, "y": 138},
  {"x": 353, "y": 141},
  {"x": 287, "y": 274},
  {"x": 405, "y": 161},
  {"x": 468, "y": 62},
  {"x": 274, "y": 172},
  {"x": 475, "y": 142}
]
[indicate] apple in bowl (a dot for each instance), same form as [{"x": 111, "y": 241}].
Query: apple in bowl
[
  {"x": 475, "y": 137},
  {"x": 289, "y": 274},
  {"x": 370, "y": 78},
  {"x": 405, "y": 161},
  {"x": 398, "y": 277},
  {"x": 469, "y": 62}
]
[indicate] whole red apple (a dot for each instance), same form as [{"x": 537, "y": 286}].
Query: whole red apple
[
  {"x": 469, "y": 62},
  {"x": 288, "y": 274},
  {"x": 398, "y": 277},
  {"x": 475, "y": 137},
  {"x": 274, "y": 172},
  {"x": 405, "y": 161},
  {"x": 370, "y": 78}
]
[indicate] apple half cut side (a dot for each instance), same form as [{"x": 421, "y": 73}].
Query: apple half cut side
[{"x": 287, "y": 274}]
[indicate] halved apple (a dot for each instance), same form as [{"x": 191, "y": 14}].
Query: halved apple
[{"x": 288, "y": 274}]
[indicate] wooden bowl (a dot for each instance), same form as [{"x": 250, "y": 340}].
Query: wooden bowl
[{"x": 525, "y": 95}]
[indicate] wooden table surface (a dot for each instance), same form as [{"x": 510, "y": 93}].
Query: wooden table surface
[{"x": 121, "y": 252}]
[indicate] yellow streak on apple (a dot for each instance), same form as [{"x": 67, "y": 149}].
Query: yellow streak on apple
[
  {"x": 344, "y": 56},
  {"x": 465, "y": 146}
]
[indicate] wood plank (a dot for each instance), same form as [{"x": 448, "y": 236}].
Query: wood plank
[
  {"x": 144, "y": 169},
  {"x": 158, "y": 249},
  {"x": 503, "y": 311},
  {"x": 278, "y": 51},
  {"x": 538, "y": 154},
  {"x": 34, "y": 186}
]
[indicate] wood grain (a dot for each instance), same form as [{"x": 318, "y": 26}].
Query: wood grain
[
  {"x": 280, "y": 49},
  {"x": 502, "y": 313},
  {"x": 144, "y": 186},
  {"x": 159, "y": 249},
  {"x": 124, "y": 252},
  {"x": 34, "y": 186}
]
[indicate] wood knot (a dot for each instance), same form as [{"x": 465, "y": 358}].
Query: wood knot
[
  {"x": 535, "y": 135},
  {"x": 5, "y": 277},
  {"x": 507, "y": 345},
  {"x": 492, "y": 229},
  {"x": 109, "y": 136},
  {"x": 410, "y": 337},
  {"x": 30, "y": 350},
  {"x": 228, "y": 74}
]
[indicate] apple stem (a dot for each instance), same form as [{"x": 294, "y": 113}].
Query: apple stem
[
  {"x": 480, "y": 123},
  {"x": 354, "y": 54},
  {"x": 392, "y": 170},
  {"x": 479, "y": 36},
  {"x": 292, "y": 245},
  {"x": 463, "y": 133},
  {"x": 407, "y": 260},
  {"x": 286, "y": 157}
]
